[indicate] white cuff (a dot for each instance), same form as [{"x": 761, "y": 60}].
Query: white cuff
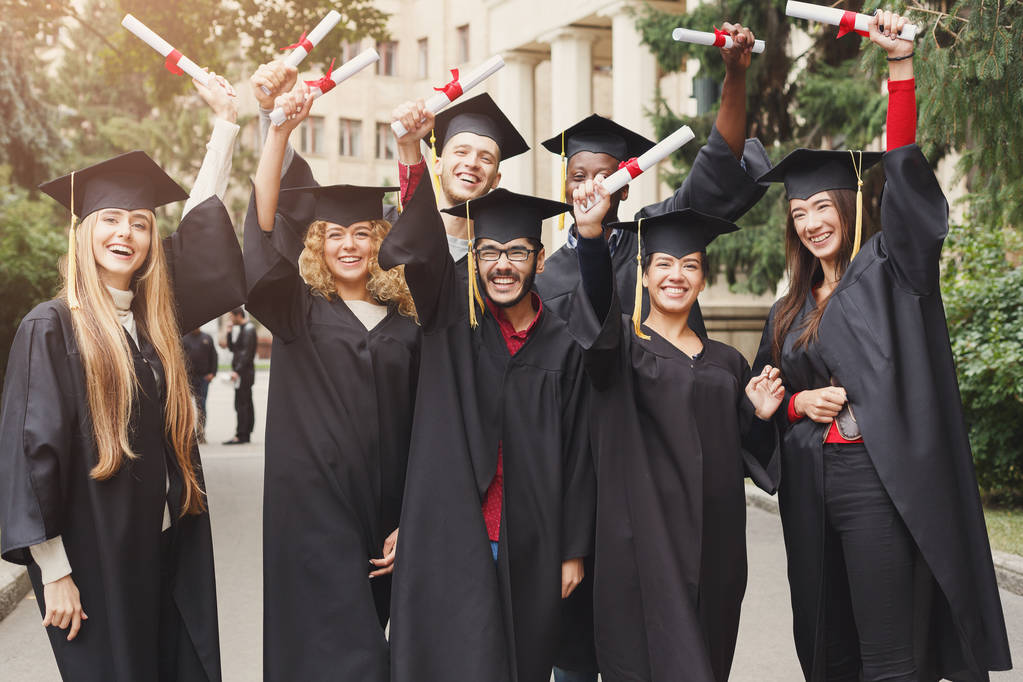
[{"x": 51, "y": 559}]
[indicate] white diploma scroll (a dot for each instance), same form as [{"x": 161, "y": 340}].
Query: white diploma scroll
[
  {"x": 307, "y": 42},
  {"x": 645, "y": 161},
  {"x": 346, "y": 71},
  {"x": 849, "y": 21},
  {"x": 453, "y": 90},
  {"x": 143, "y": 33},
  {"x": 684, "y": 35}
]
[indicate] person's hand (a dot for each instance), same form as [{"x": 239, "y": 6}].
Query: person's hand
[
  {"x": 234, "y": 377},
  {"x": 276, "y": 78},
  {"x": 418, "y": 122},
  {"x": 592, "y": 193},
  {"x": 884, "y": 29},
  {"x": 220, "y": 96},
  {"x": 572, "y": 573},
  {"x": 208, "y": 377},
  {"x": 385, "y": 565},
  {"x": 63, "y": 606},
  {"x": 740, "y": 54},
  {"x": 296, "y": 105},
  {"x": 821, "y": 405},
  {"x": 766, "y": 392}
]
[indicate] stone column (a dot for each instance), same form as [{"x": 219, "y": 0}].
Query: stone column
[
  {"x": 514, "y": 93},
  {"x": 571, "y": 94}
]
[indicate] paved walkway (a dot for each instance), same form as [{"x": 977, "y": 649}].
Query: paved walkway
[{"x": 234, "y": 476}]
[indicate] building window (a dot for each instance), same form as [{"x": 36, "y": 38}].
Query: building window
[
  {"x": 313, "y": 136},
  {"x": 350, "y": 135},
  {"x": 462, "y": 42},
  {"x": 386, "y": 146},
  {"x": 423, "y": 49},
  {"x": 388, "y": 64}
]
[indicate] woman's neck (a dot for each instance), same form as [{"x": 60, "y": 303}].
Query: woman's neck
[
  {"x": 352, "y": 291},
  {"x": 675, "y": 329},
  {"x": 829, "y": 268}
]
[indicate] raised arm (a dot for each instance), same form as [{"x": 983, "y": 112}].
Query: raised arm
[
  {"x": 296, "y": 105},
  {"x": 216, "y": 165},
  {"x": 270, "y": 81}
]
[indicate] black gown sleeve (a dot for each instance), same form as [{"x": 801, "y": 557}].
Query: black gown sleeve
[
  {"x": 717, "y": 184},
  {"x": 579, "y": 497},
  {"x": 37, "y": 418},
  {"x": 763, "y": 358},
  {"x": 205, "y": 264},
  {"x": 914, "y": 220},
  {"x": 599, "y": 335},
  {"x": 760, "y": 443},
  {"x": 418, "y": 241}
]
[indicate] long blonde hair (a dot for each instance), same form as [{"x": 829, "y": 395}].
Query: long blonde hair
[
  {"x": 386, "y": 286},
  {"x": 110, "y": 380}
]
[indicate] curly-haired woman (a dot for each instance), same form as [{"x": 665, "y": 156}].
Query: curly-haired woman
[{"x": 342, "y": 388}]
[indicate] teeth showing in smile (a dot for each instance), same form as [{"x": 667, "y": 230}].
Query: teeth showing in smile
[
  {"x": 121, "y": 250},
  {"x": 819, "y": 238},
  {"x": 675, "y": 290},
  {"x": 504, "y": 281},
  {"x": 467, "y": 178},
  {"x": 349, "y": 259}
]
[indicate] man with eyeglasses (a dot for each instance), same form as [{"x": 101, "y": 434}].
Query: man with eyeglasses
[{"x": 499, "y": 498}]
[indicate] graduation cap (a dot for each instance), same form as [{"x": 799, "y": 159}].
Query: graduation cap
[
  {"x": 482, "y": 116},
  {"x": 129, "y": 182},
  {"x": 598, "y": 135},
  {"x": 806, "y": 172},
  {"x": 676, "y": 233},
  {"x": 502, "y": 216},
  {"x": 345, "y": 204}
]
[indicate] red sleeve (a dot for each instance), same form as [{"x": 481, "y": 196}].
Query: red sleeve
[
  {"x": 901, "y": 113},
  {"x": 409, "y": 177},
  {"x": 793, "y": 417}
]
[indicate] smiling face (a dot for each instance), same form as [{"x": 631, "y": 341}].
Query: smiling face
[
  {"x": 347, "y": 251},
  {"x": 468, "y": 167},
  {"x": 506, "y": 281},
  {"x": 818, "y": 225},
  {"x": 583, "y": 166},
  {"x": 120, "y": 244},
  {"x": 674, "y": 283}
]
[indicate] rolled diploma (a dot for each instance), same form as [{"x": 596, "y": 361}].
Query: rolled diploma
[
  {"x": 830, "y": 15},
  {"x": 439, "y": 101},
  {"x": 325, "y": 26},
  {"x": 647, "y": 160},
  {"x": 684, "y": 35},
  {"x": 346, "y": 71},
  {"x": 143, "y": 33}
]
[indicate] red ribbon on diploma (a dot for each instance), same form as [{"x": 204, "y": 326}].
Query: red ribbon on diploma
[
  {"x": 848, "y": 25},
  {"x": 302, "y": 42},
  {"x": 324, "y": 83},
  {"x": 452, "y": 90},
  {"x": 719, "y": 40},
  {"x": 171, "y": 63},
  {"x": 632, "y": 165}
]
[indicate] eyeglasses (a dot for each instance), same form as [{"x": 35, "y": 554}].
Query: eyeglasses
[{"x": 516, "y": 254}]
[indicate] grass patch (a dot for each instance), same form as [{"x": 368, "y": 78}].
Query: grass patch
[{"x": 1005, "y": 528}]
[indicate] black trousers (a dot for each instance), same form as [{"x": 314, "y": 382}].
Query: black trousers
[
  {"x": 243, "y": 405},
  {"x": 869, "y": 560}
]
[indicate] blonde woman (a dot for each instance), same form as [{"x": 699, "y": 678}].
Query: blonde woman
[
  {"x": 342, "y": 388},
  {"x": 102, "y": 492}
]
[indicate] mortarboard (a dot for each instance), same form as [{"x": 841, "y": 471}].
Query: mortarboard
[
  {"x": 482, "y": 116},
  {"x": 345, "y": 204}
]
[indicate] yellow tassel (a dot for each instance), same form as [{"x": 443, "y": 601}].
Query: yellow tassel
[
  {"x": 433, "y": 164},
  {"x": 72, "y": 258},
  {"x": 859, "y": 203},
  {"x": 564, "y": 175},
  {"x": 474, "y": 290},
  {"x": 637, "y": 311}
]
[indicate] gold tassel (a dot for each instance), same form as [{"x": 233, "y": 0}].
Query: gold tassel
[
  {"x": 859, "y": 203},
  {"x": 433, "y": 164},
  {"x": 474, "y": 290},
  {"x": 637, "y": 311},
  {"x": 564, "y": 175},
  {"x": 72, "y": 258}
]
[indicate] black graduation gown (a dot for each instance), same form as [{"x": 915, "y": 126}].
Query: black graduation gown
[
  {"x": 454, "y": 615},
  {"x": 339, "y": 417},
  {"x": 111, "y": 528},
  {"x": 668, "y": 435},
  {"x": 884, "y": 338},
  {"x": 717, "y": 184}
]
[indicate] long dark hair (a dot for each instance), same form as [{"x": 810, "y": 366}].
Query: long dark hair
[{"x": 804, "y": 270}]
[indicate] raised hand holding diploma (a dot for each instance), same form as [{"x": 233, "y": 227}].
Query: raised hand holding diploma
[
  {"x": 719, "y": 38},
  {"x": 847, "y": 22},
  {"x": 884, "y": 30},
  {"x": 220, "y": 96},
  {"x": 175, "y": 62},
  {"x": 331, "y": 79},
  {"x": 305, "y": 44},
  {"x": 272, "y": 80},
  {"x": 458, "y": 86}
]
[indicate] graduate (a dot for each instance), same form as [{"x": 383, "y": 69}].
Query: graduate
[
  {"x": 339, "y": 415},
  {"x": 468, "y": 141},
  {"x": 721, "y": 181},
  {"x": 101, "y": 487},
  {"x": 499, "y": 500},
  {"x": 888, "y": 558},
  {"x": 678, "y": 422}
]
